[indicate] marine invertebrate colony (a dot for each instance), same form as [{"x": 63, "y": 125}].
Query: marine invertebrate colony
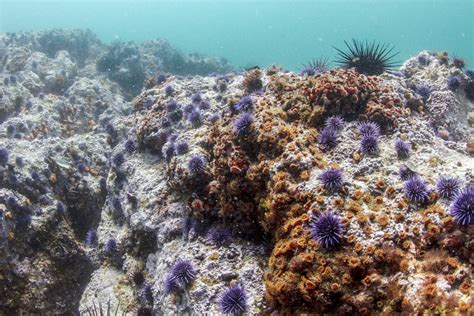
[
  {"x": 327, "y": 229},
  {"x": 462, "y": 208},
  {"x": 370, "y": 59},
  {"x": 233, "y": 301}
]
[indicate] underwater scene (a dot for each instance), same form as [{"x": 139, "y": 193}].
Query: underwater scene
[{"x": 259, "y": 157}]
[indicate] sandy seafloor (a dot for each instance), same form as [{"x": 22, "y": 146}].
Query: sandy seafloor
[{"x": 93, "y": 148}]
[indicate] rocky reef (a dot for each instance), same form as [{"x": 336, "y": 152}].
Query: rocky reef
[{"x": 137, "y": 179}]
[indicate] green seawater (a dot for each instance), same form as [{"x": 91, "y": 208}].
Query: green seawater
[{"x": 249, "y": 33}]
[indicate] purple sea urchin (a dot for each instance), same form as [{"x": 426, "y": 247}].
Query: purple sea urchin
[
  {"x": 459, "y": 62},
  {"x": 60, "y": 208},
  {"x": 233, "y": 301},
  {"x": 91, "y": 237},
  {"x": 146, "y": 294},
  {"x": 405, "y": 173},
  {"x": 368, "y": 129},
  {"x": 181, "y": 274},
  {"x": 160, "y": 78},
  {"x": 424, "y": 91},
  {"x": 327, "y": 229},
  {"x": 448, "y": 187},
  {"x": 243, "y": 123},
  {"x": 188, "y": 108},
  {"x": 19, "y": 162},
  {"x": 168, "y": 151},
  {"x": 170, "y": 285},
  {"x": 335, "y": 122},
  {"x": 315, "y": 67},
  {"x": 196, "y": 164},
  {"x": 130, "y": 146},
  {"x": 169, "y": 90},
  {"x": 462, "y": 208},
  {"x": 204, "y": 105},
  {"x": 118, "y": 159},
  {"x": 171, "y": 105},
  {"x": 111, "y": 246},
  {"x": 369, "y": 145},
  {"x": 454, "y": 82},
  {"x": 219, "y": 236},
  {"x": 369, "y": 59},
  {"x": 4, "y": 155},
  {"x": 331, "y": 179},
  {"x": 402, "y": 148},
  {"x": 328, "y": 138},
  {"x": 245, "y": 104},
  {"x": 182, "y": 147},
  {"x": 416, "y": 190},
  {"x": 196, "y": 98},
  {"x": 213, "y": 118},
  {"x": 12, "y": 203},
  {"x": 195, "y": 118}
]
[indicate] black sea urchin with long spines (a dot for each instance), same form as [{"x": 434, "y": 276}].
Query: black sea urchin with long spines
[{"x": 369, "y": 59}]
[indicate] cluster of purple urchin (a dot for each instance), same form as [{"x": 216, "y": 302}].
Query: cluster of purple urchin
[
  {"x": 243, "y": 123},
  {"x": 232, "y": 301},
  {"x": 462, "y": 206},
  {"x": 328, "y": 136},
  {"x": 370, "y": 132}
]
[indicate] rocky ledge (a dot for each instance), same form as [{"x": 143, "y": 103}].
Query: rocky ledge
[{"x": 139, "y": 180}]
